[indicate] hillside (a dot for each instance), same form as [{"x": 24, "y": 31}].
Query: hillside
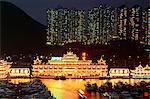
[{"x": 19, "y": 32}]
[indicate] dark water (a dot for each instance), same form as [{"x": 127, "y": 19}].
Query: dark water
[{"x": 68, "y": 89}]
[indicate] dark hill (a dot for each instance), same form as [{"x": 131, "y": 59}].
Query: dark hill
[{"x": 19, "y": 32}]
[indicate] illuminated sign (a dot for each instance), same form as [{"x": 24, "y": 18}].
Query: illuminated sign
[{"x": 56, "y": 58}]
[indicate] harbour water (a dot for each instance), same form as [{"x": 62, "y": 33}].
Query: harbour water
[{"x": 68, "y": 89}]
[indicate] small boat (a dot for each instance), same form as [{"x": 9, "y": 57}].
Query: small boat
[{"x": 83, "y": 94}]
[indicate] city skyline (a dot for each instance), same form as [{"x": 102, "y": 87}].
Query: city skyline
[
  {"x": 26, "y": 45},
  {"x": 99, "y": 25},
  {"x": 99, "y": 48},
  {"x": 65, "y": 26}
]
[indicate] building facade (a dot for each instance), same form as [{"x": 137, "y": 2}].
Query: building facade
[
  {"x": 19, "y": 72},
  {"x": 122, "y": 22},
  {"x": 146, "y": 24},
  {"x": 132, "y": 24},
  {"x": 141, "y": 72},
  {"x": 65, "y": 26},
  {"x": 135, "y": 16},
  {"x": 148, "y": 34},
  {"x": 101, "y": 24},
  {"x": 4, "y": 69},
  {"x": 119, "y": 72},
  {"x": 69, "y": 66}
]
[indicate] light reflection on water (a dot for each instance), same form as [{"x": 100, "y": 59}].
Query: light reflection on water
[
  {"x": 18, "y": 80},
  {"x": 67, "y": 89}
]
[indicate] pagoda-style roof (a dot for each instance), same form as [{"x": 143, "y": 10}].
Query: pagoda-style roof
[
  {"x": 102, "y": 61},
  {"x": 140, "y": 67},
  {"x": 37, "y": 61},
  {"x": 147, "y": 67},
  {"x": 70, "y": 57},
  {"x": 2, "y": 62}
]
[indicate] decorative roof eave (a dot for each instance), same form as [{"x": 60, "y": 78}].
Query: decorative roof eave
[
  {"x": 3, "y": 62},
  {"x": 37, "y": 61},
  {"x": 102, "y": 61},
  {"x": 147, "y": 67},
  {"x": 139, "y": 67},
  {"x": 70, "y": 57}
]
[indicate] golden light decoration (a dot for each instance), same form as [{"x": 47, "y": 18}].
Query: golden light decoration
[{"x": 84, "y": 56}]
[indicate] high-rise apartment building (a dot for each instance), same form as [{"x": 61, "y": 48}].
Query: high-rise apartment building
[
  {"x": 145, "y": 27},
  {"x": 132, "y": 23},
  {"x": 101, "y": 24},
  {"x": 65, "y": 26},
  {"x": 148, "y": 34},
  {"x": 122, "y": 22},
  {"x": 136, "y": 24}
]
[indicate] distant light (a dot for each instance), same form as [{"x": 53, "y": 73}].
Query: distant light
[
  {"x": 83, "y": 54},
  {"x": 42, "y": 57}
]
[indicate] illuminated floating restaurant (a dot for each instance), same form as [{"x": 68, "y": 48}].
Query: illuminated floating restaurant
[
  {"x": 69, "y": 66},
  {"x": 119, "y": 72},
  {"x": 4, "y": 69},
  {"x": 19, "y": 71},
  {"x": 141, "y": 72}
]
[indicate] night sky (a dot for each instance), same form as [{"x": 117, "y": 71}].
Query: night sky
[{"x": 37, "y": 8}]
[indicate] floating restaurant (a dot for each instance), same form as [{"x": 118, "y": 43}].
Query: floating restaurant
[
  {"x": 19, "y": 71},
  {"x": 69, "y": 66},
  {"x": 119, "y": 73},
  {"x": 141, "y": 72},
  {"x": 4, "y": 69}
]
